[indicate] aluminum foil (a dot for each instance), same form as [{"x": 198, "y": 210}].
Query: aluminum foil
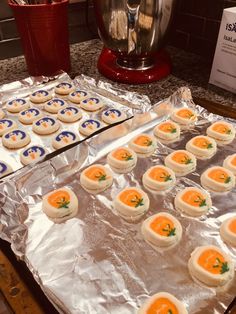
[
  {"x": 97, "y": 262},
  {"x": 22, "y": 89}
]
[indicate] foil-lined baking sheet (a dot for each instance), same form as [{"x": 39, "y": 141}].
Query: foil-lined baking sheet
[
  {"x": 97, "y": 262},
  {"x": 22, "y": 89}
]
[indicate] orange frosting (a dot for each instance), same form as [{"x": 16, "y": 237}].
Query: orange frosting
[
  {"x": 132, "y": 198},
  {"x": 232, "y": 226},
  {"x": 202, "y": 142},
  {"x": 122, "y": 154},
  {"x": 163, "y": 226},
  {"x": 185, "y": 113},
  {"x": 219, "y": 175},
  {"x": 221, "y": 128},
  {"x": 59, "y": 199},
  {"x": 194, "y": 198},
  {"x": 233, "y": 161},
  {"x": 96, "y": 174},
  {"x": 162, "y": 306},
  {"x": 143, "y": 140},
  {"x": 159, "y": 174},
  {"x": 181, "y": 158},
  {"x": 167, "y": 127},
  {"x": 213, "y": 262}
]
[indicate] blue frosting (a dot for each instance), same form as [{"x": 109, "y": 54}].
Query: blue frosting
[
  {"x": 57, "y": 100},
  {"x": 3, "y": 167},
  {"x": 20, "y": 133},
  {"x": 81, "y": 92},
  {"x": 41, "y": 91},
  {"x": 64, "y": 84},
  {"x": 97, "y": 124},
  {"x": 96, "y": 100},
  {"x": 115, "y": 111},
  {"x": 71, "y": 109},
  {"x": 34, "y": 149},
  {"x": 21, "y": 101},
  {"x": 6, "y": 122},
  {"x": 46, "y": 119},
  {"x": 63, "y": 134},
  {"x": 34, "y": 111}
]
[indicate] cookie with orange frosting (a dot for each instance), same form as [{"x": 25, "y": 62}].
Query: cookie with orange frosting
[
  {"x": 167, "y": 132},
  {"x": 143, "y": 144},
  {"x": 162, "y": 230},
  {"x": 159, "y": 178},
  {"x": 2, "y": 114},
  {"x": 228, "y": 231},
  {"x": 163, "y": 303},
  {"x": 122, "y": 160},
  {"x": 181, "y": 162},
  {"x": 230, "y": 163},
  {"x": 193, "y": 201},
  {"x": 222, "y": 132},
  {"x": 184, "y": 116},
  {"x": 211, "y": 266},
  {"x": 60, "y": 205},
  {"x": 218, "y": 179},
  {"x": 131, "y": 203},
  {"x": 96, "y": 179},
  {"x": 203, "y": 147}
]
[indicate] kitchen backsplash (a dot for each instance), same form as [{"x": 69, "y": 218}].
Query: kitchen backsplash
[{"x": 195, "y": 26}]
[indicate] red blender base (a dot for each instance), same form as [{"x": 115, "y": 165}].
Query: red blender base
[{"x": 107, "y": 65}]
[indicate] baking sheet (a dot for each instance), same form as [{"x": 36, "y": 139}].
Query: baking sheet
[{"x": 97, "y": 262}]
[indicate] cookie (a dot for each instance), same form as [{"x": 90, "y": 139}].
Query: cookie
[
  {"x": 64, "y": 88},
  {"x": 45, "y": 126},
  {"x": 7, "y": 125},
  {"x": 222, "y": 132},
  {"x": 16, "y": 105},
  {"x": 54, "y": 105},
  {"x": 144, "y": 145},
  {"x": 15, "y": 139},
  {"x": 32, "y": 154},
  {"x": 28, "y": 116},
  {"x": 113, "y": 115},
  {"x": 60, "y": 205},
  {"x": 230, "y": 163},
  {"x": 64, "y": 138},
  {"x": 77, "y": 96},
  {"x": 89, "y": 126},
  {"x": 181, "y": 162},
  {"x": 122, "y": 160},
  {"x": 211, "y": 266},
  {"x": 2, "y": 114},
  {"x": 5, "y": 169},
  {"x": 69, "y": 114},
  {"x": 167, "y": 132},
  {"x": 91, "y": 104},
  {"x": 40, "y": 96},
  {"x": 184, "y": 116},
  {"x": 228, "y": 231},
  {"x": 203, "y": 147}
]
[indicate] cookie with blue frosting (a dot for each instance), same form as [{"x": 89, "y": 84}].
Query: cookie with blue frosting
[
  {"x": 15, "y": 139},
  {"x": 7, "y": 125},
  {"x": 45, "y": 126},
  {"x": 63, "y": 139},
  {"x": 40, "y": 96},
  {"x": 112, "y": 115},
  {"x": 16, "y": 105},
  {"x": 32, "y": 154},
  {"x": 29, "y": 115},
  {"x": 5, "y": 169},
  {"x": 89, "y": 126}
]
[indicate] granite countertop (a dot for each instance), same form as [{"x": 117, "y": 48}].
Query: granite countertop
[{"x": 188, "y": 70}]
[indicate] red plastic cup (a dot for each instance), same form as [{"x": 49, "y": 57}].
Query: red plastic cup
[{"x": 43, "y": 30}]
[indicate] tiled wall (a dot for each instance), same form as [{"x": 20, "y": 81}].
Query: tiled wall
[{"x": 196, "y": 24}]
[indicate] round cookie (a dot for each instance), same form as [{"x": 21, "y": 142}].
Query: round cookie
[
  {"x": 5, "y": 169},
  {"x": 143, "y": 144},
  {"x": 32, "y": 154},
  {"x": 16, "y": 105},
  {"x": 6, "y": 125},
  {"x": 40, "y": 96},
  {"x": 211, "y": 266},
  {"x": 159, "y": 178},
  {"x": 89, "y": 126},
  {"x": 28, "y": 116},
  {"x": 96, "y": 179},
  {"x": 218, "y": 179},
  {"x": 228, "y": 231},
  {"x": 54, "y": 105},
  {"x": 60, "y": 205},
  {"x": 230, "y": 163},
  {"x": 69, "y": 114},
  {"x": 162, "y": 230},
  {"x": 181, "y": 162},
  {"x": 222, "y": 132},
  {"x": 113, "y": 115},
  {"x": 184, "y": 116},
  {"x": 131, "y": 203},
  {"x": 77, "y": 96},
  {"x": 45, "y": 126},
  {"x": 203, "y": 147},
  {"x": 2, "y": 114},
  {"x": 64, "y": 88},
  {"x": 167, "y": 132},
  {"x": 122, "y": 160},
  {"x": 63, "y": 139},
  {"x": 15, "y": 139},
  {"x": 163, "y": 302},
  {"x": 193, "y": 201},
  {"x": 91, "y": 104}
]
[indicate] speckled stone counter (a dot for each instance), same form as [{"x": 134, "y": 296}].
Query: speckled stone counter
[{"x": 188, "y": 70}]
